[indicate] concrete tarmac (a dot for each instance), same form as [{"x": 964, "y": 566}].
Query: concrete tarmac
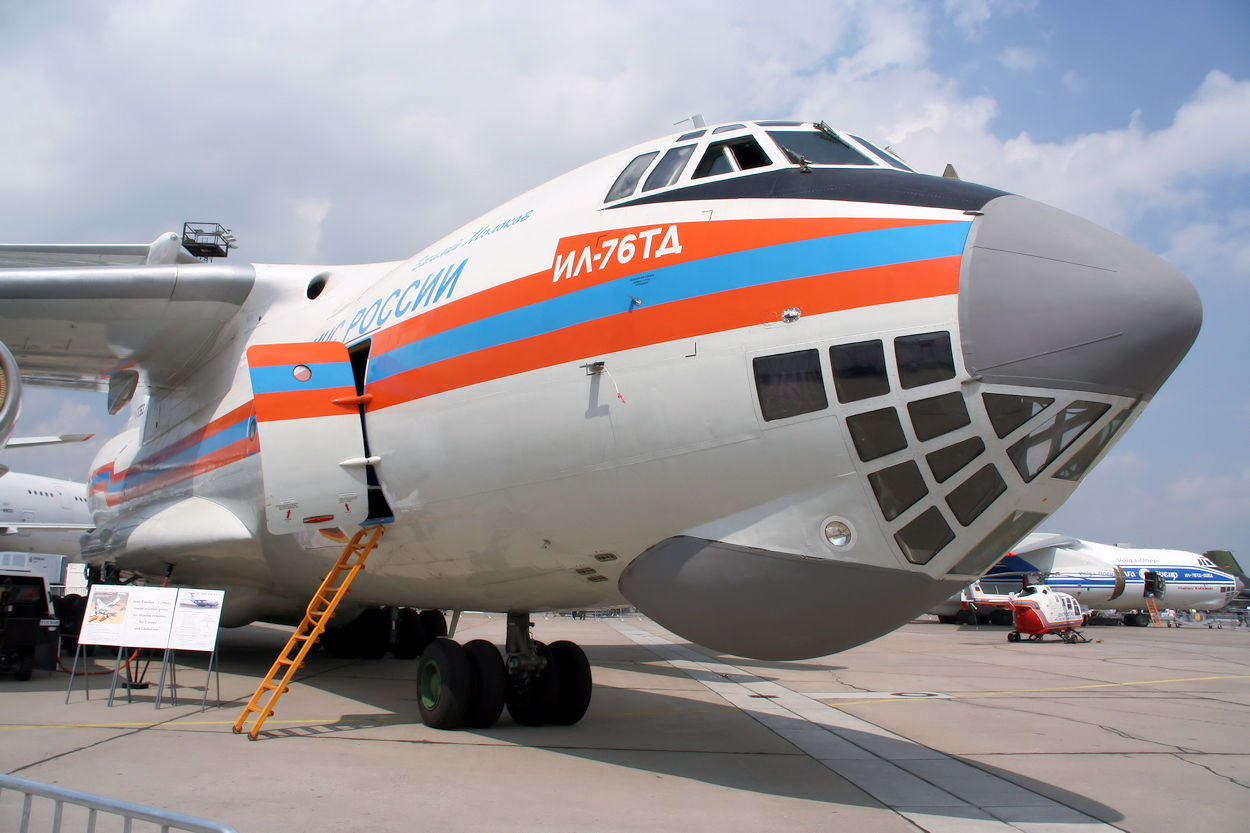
[{"x": 933, "y": 727}]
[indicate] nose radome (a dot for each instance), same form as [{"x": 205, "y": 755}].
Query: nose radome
[{"x": 1048, "y": 299}]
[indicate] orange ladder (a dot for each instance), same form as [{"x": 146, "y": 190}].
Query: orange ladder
[
  {"x": 320, "y": 610},
  {"x": 1153, "y": 607}
]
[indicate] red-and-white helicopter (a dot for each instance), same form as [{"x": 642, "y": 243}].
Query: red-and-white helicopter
[
  {"x": 1034, "y": 611},
  {"x": 1038, "y": 610}
]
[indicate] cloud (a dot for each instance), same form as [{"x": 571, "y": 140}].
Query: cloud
[
  {"x": 1130, "y": 498},
  {"x": 968, "y": 15},
  {"x": 972, "y": 16},
  {"x": 1211, "y": 500},
  {"x": 410, "y": 123},
  {"x": 1020, "y": 59},
  {"x": 1116, "y": 177},
  {"x": 1218, "y": 246},
  {"x": 1074, "y": 82},
  {"x": 311, "y": 214}
]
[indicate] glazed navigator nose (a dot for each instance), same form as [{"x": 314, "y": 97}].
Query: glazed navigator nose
[{"x": 1048, "y": 299}]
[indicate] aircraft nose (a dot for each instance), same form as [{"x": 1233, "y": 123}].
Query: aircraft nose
[{"x": 1048, "y": 299}]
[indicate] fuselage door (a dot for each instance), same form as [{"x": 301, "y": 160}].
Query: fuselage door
[
  {"x": 1154, "y": 584},
  {"x": 312, "y": 450}
]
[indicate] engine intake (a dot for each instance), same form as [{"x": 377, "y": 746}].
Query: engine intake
[{"x": 10, "y": 393}]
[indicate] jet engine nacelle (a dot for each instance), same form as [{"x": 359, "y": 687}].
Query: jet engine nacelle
[{"x": 10, "y": 393}]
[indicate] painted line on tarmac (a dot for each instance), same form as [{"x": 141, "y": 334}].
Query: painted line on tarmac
[
  {"x": 318, "y": 721},
  {"x": 861, "y": 698},
  {"x": 932, "y": 790}
]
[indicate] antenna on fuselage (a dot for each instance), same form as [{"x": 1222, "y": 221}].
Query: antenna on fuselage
[{"x": 696, "y": 120}]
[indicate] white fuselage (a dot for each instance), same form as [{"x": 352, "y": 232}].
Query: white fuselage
[
  {"x": 1104, "y": 577},
  {"x": 749, "y": 396}
]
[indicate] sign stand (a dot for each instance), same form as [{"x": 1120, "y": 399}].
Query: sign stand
[
  {"x": 212, "y": 661},
  {"x": 73, "y": 672},
  {"x": 173, "y": 679},
  {"x": 116, "y": 670}
]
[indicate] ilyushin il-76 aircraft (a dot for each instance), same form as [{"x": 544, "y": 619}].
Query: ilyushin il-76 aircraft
[{"x": 750, "y": 378}]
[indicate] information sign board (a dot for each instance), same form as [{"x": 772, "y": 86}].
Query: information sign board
[{"x": 133, "y": 616}]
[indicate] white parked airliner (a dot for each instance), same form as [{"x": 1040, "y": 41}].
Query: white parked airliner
[
  {"x": 751, "y": 378},
  {"x": 42, "y": 514}
]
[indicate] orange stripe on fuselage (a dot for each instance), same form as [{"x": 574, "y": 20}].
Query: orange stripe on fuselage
[
  {"x": 280, "y": 355},
  {"x": 304, "y": 404}
]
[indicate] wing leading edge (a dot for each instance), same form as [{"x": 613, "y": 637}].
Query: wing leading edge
[
  {"x": 165, "y": 249},
  {"x": 76, "y": 326}
]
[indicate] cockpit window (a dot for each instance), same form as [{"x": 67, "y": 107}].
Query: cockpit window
[
  {"x": 628, "y": 180},
  {"x": 669, "y": 169},
  {"x": 731, "y": 155},
  {"x": 725, "y": 128},
  {"x": 1076, "y": 467},
  {"x": 817, "y": 147},
  {"x": 888, "y": 158}
]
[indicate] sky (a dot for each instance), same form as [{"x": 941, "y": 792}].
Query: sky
[{"x": 324, "y": 132}]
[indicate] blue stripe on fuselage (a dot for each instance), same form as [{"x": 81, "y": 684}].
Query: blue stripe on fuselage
[
  {"x": 281, "y": 378},
  {"x": 697, "y": 278}
]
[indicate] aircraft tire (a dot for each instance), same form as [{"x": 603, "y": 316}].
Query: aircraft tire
[
  {"x": 488, "y": 688},
  {"x": 576, "y": 684},
  {"x": 434, "y": 622},
  {"x": 341, "y": 642},
  {"x": 946, "y": 620},
  {"x": 443, "y": 684},
  {"x": 1001, "y": 617},
  {"x": 372, "y": 632},
  {"x": 534, "y": 704},
  {"x": 411, "y": 636}
]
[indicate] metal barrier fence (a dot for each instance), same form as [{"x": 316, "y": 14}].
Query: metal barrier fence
[{"x": 97, "y": 809}]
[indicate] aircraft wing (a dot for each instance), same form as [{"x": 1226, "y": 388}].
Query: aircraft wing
[
  {"x": 14, "y": 528},
  {"x": 75, "y": 326},
  {"x": 27, "y": 442},
  {"x": 163, "y": 250}
]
